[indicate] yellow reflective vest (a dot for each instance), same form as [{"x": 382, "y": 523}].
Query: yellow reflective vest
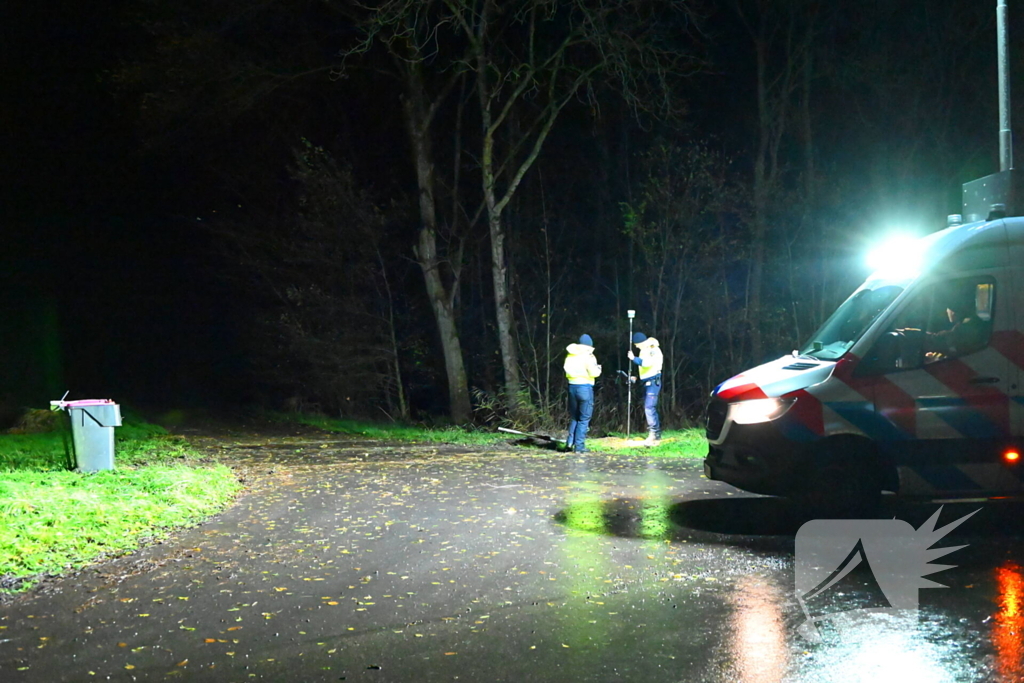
[
  {"x": 651, "y": 358},
  {"x": 580, "y": 364}
]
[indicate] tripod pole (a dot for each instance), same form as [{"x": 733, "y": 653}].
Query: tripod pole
[{"x": 629, "y": 380}]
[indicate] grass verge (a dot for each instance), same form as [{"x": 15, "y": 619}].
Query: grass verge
[
  {"x": 397, "y": 432},
  {"x": 682, "y": 443},
  {"x": 52, "y": 519}
]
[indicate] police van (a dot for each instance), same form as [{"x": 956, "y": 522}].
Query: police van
[{"x": 911, "y": 386}]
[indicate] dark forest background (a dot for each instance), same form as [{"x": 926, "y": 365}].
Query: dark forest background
[{"x": 408, "y": 209}]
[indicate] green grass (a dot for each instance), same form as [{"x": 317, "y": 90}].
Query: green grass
[
  {"x": 684, "y": 443},
  {"x": 52, "y": 519},
  {"x": 405, "y": 433},
  {"x": 31, "y": 451}
]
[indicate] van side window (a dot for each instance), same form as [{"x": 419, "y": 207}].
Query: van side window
[{"x": 944, "y": 320}]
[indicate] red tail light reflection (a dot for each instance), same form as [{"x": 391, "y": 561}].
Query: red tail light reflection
[{"x": 1008, "y": 629}]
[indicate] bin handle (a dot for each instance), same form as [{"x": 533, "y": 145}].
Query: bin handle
[
  {"x": 61, "y": 404},
  {"x": 90, "y": 415}
]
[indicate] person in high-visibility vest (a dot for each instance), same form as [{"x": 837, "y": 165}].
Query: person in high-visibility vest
[
  {"x": 650, "y": 361},
  {"x": 581, "y": 369}
]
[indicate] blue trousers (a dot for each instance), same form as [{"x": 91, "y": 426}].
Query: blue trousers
[
  {"x": 581, "y": 409},
  {"x": 651, "y": 392}
]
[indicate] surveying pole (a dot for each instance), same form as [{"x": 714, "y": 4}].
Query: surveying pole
[{"x": 629, "y": 380}]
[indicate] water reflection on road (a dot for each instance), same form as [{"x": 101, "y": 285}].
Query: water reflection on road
[
  {"x": 758, "y": 645},
  {"x": 974, "y": 632},
  {"x": 1008, "y": 624}
]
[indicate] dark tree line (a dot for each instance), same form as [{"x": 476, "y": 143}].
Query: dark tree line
[{"x": 422, "y": 202}]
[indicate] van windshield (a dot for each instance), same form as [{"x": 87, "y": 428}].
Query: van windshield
[{"x": 849, "y": 322}]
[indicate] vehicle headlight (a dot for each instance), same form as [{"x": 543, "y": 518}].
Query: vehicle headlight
[{"x": 759, "y": 410}]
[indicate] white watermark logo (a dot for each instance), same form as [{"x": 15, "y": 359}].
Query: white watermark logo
[{"x": 895, "y": 556}]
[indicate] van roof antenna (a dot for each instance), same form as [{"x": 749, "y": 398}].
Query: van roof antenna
[
  {"x": 1007, "y": 186},
  {"x": 1005, "y": 134}
]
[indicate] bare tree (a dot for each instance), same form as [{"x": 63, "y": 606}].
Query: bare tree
[
  {"x": 530, "y": 59},
  {"x": 525, "y": 61},
  {"x": 408, "y": 30},
  {"x": 780, "y": 51}
]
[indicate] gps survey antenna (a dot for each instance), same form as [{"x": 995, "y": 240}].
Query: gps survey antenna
[{"x": 629, "y": 377}]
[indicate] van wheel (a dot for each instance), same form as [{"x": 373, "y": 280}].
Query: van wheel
[{"x": 842, "y": 480}]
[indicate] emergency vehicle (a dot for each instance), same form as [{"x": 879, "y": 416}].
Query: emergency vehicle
[
  {"x": 898, "y": 390},
  {"x": 913, "y": 384}
]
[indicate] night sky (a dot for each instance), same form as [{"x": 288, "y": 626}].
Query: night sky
[{"x": 112, "y": 283}]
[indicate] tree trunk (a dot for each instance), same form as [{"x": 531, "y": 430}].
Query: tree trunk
[
  {"x": 503, "y": 307},
  {"x": 548, "y": 310},
  {"x": 760, "y": 209},
  {"x": 440, "y": 302},
  {"x": 441, "y": 299},
  {"x": 403, "y": 403},
  {"x": 499, "y": 266}
]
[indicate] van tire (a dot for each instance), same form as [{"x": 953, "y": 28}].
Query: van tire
[{"x": 842, "y": 479}]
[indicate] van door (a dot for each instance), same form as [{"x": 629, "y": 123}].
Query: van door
[
  {"x": 1011, "y": 342},
  {"x": 943, "y": 385}
]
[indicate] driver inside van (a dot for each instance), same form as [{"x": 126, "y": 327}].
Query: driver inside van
[
  {"x": 966, "y": 332},
  {"x": 957, "y": 323}
]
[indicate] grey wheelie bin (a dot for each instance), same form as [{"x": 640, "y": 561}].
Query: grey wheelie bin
[{"x": 92, "y": 431}]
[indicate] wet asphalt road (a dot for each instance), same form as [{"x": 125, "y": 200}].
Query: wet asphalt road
[{"x": 414, "y": 563}]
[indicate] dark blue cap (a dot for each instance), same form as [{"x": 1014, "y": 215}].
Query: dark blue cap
[{"x": 639, "y": 337}]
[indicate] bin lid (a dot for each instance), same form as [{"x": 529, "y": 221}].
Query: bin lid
[{"x": 83, "y": 403}]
